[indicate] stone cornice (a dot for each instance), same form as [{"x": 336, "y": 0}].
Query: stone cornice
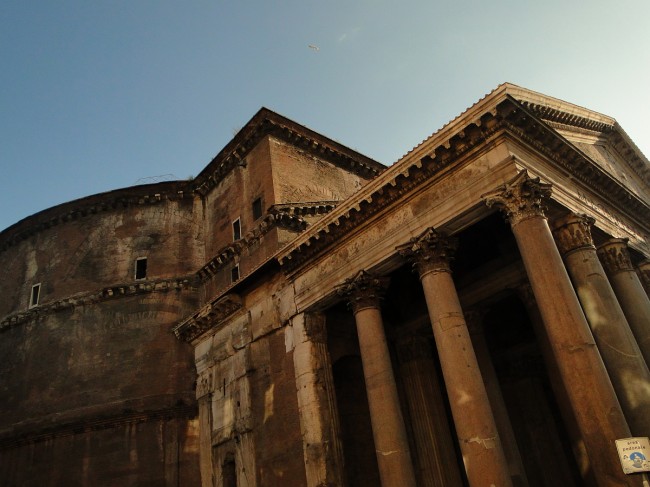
[
  {"x": 288, "y": 216},
  {"x": 562, "y": 117},
  {"x": 149, "y": 194},
  {"x": 104, "y": 294},
  {"x": 396, "y": 181},
  {"x": 607, "y": 126},
  {"x": 266, "y": 122},
  {"x": 499, "y": 112},
  {"x": 526, "y": 127},
  {"x": 208, "y": 317},
  {"x": 305, "y": 209},
  {"x": 28, "y": 434}
]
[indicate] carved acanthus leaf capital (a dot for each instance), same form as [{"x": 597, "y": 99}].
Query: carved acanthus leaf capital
[
  {"x": 520, "y": 198},
  {"x": 573, "y": 232},
  {"x": 363, "y": 291},
  {"x": 615, "y": 256},
  {"x": 430, "y": 251}
]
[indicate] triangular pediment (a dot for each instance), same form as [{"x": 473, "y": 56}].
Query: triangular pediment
[{"x": 599, "y": 137}]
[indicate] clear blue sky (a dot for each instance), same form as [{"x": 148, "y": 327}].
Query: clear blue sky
[{"x": 96, "y": 95}]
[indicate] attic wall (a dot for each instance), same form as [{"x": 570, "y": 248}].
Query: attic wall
[
  {"x": 233, "y": 197},
  {"x": 301, "y": 177}
]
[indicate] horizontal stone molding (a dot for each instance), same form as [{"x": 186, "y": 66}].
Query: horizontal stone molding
[
  {"x": 92, "y": 205},
  {"x": 288, "y": 216},
  {"x": 49, "y": 428},
  {"x": 507, "y": 116},
  {"x": 267, "y": 122},
  {"x": 104, "y": 294},
  {"x": 209, "y": 316}
]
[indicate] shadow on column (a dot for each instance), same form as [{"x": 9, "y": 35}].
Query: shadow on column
[
  {"x": 539, "y": 430},
  {"x": 360, "y": 460}
]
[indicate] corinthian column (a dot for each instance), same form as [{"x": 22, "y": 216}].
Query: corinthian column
[
  {"x": 485, "y": 462},
  {"x": 316, "y": 402},
  {"x": 629, "y": 290},
  {"x": 627, "y": 368},
  {"x": 364, "y": 293},
  {"x": 590, "y": 392}
]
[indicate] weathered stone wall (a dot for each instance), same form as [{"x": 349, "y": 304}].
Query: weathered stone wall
[
  {"x": 299, "y": 176},
  {"x": 160, "y": 452},
  {"x": 94, "y": 251},
  {"x": 247, "y": 392},
  {"x": 94, "y": 388},
  {"x": 233, "y": 197}
]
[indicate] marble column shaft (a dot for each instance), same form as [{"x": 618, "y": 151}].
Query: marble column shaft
[
  {"x": 593, "y": 400},
  {"x": 319, "y": 425},
  {"x": 525, "y": 293},
  {"x": 628, "y": 288},
  {"x": 435, "y": 445},
  {"x": 625, "y": 364},
  {"x": 485, "y": 462},
  {"x": 391, "y": 442}
]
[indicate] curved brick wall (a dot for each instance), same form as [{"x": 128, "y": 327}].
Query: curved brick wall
[{"x": 94, "y": 387}]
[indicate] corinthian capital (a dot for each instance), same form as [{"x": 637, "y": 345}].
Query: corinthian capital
[
  {"x": 615, "y": 256},
  {"x": 573, "y": 232},
  {"x": 363, "y": 290},
  {"x": 430, "y": 251},
  {"x": 520, "y": 198}
]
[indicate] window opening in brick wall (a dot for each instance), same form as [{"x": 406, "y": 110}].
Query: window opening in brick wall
[
  {"x": 141, "y": 268},
  {"x": 234, "y": 273},
  {"x": 257, "y": 208},
  {"x": 35, "y": 295},
  {"x": 236, "y": 229}
]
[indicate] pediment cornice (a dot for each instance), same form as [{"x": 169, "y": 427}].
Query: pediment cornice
[{"x": 499, "y": 112}]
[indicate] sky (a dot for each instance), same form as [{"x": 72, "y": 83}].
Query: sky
[{"x": 100, "y": 95}]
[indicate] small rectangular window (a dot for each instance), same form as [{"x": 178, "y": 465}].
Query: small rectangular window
[
  {"x": 234, "y": 273},
  {"x": 257, "y": 208},
  {"x": 140, "y": 268},
  {"x": 35, "y": 295},
  {"x": 236, "y": 230}
]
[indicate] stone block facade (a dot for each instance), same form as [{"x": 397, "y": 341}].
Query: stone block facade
[{"x": 299, "y": 314}]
